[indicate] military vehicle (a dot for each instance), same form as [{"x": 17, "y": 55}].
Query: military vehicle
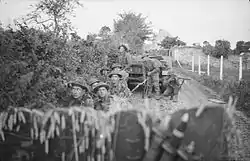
[{"x": 137, "y": 74}]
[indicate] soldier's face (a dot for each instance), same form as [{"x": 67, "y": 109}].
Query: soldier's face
[
  {"x": 115, "y": 78},
  {"x": 102, "y": 92},
  {"x": 77, "y": 92}
]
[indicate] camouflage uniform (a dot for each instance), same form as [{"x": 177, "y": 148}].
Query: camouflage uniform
[
  {"x": 120, "y": 88},
  {"x": 153, "y": 67},
  {"x": 102, "y": 103},
  {"x": 124, "y": 74}
]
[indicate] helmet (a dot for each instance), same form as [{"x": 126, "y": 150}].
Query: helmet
[
  {"x": 80, "y": 82},
  {"x": 99, "y": 85},
  {"x": 115, "y": 73},
  {"x": 125, "y": 46},
  {"x": 93, "y": 80}
]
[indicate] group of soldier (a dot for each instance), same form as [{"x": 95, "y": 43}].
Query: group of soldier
[{"x": 113, "y": 82}]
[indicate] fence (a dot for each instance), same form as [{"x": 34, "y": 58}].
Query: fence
[{"x": 222, "y": 71}]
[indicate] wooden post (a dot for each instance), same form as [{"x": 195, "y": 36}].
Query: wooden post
[
  {"x": 199, "y": 65},
  {"x": 221, "y": 67},
  {"x": 208, "y": 65},
  {"x": 193, "y": 63},
  {"x": 240, "y": 68}
]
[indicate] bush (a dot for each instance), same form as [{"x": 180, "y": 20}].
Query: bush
[{"x": 35, "y": 65}]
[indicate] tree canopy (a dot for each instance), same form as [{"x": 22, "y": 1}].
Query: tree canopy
[
  {"x": 132, "y": 28},
  {"x": 169, "y": 42}
]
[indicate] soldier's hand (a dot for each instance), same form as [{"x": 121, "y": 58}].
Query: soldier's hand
[{"x": 149, "y": 73}]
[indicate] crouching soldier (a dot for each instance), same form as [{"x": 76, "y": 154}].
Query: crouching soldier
[
  {"x": 152, "y": 67},
  {"x": 172, "y": 86},
  {"x": 104, "y": 98},
  {"x": 93, "y": 83},
  {"x": 118, "y": 87},
  {"x": 79, "y": 94},
  {"x": 104, "y": 74},
  {"x": 118, "y": 68}
]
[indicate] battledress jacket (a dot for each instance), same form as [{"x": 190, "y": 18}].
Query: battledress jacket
[
  {"x": 152, "y": 65},
  {"x": 125, "y": 59},
  {"x": 103, "y": 104}
]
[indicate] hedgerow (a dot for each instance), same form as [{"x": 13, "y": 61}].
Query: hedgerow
[{"x": 35, "y": 65}]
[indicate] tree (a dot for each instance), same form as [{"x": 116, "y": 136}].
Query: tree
[
  {"x": 222, "y": 47},
  {"x": 54, "y": 14},
  {"x": 208, "y": 49},
  {"x": 169, "y": 42},
  {"x": 104, "y": 31},
  {"x": 241, "y": 46},
  {"x": 132, "y": 28}
]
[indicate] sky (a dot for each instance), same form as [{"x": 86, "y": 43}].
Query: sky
[{"x": 193, "y": 21}]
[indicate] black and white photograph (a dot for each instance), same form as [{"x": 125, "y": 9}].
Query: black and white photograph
[{"x": 124, "y": 80}]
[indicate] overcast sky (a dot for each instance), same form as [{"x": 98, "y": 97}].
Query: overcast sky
[{"x": 191, "y": 20}]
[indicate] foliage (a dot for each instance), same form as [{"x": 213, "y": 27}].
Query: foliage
[
  {"x": 104, "y": 31},
  {"x": 208, "y": 49},
  {"x": 132, "y": 28},
  {"x": 222, "y": 48},
  {"x": 169, "y": 42},
  {"x": 241, "y": 46},
  {"x": 35, "y": 65},
  {"x": 56, "y": 13}
]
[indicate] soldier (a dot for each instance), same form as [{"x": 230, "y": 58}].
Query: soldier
[
  {"x": 92, "y": 83},
  {"x": 118, "y": 67},
  {"x": 79, "y": 94},
  {"x": 117, "y": 86},
  {"x": 124, "y": 58},
  {"x": 172, "y": 86},
  {"x": 152, "y": 67},
  {"x": 104, "y": 98},
  {"x": 104, "y": 73}
]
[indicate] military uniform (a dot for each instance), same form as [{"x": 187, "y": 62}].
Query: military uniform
[
  {"x": 125, "y": 58},
  {"x": 120, "y": 88},
  {"x": 153, "y": 67},
  {"x": 124, "y": 74},
  {"x": 102, "y": 103},
  {"x": 172, "y": 86},
  {"x": 92, "y": 83}
]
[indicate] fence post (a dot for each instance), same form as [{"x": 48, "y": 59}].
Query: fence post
[
  {"x": 221, "y": 67},
  {"x": 193, "y": 63},
  {"x": 208, "y": 65},
  {"x": 199, "y": 65},
  {"x": 240, "y": 68}
]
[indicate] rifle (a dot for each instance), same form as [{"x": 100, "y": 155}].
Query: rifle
[{"x": 138, "y": 85}]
